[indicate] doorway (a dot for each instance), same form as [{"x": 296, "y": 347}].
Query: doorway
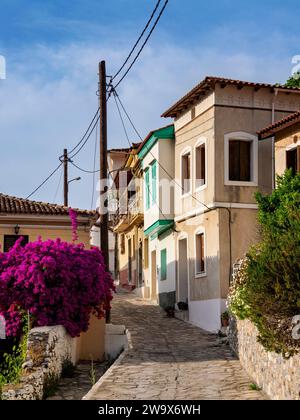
[
  {"x": 153, "y": 276},
  {"x": 183, "y": 276}
]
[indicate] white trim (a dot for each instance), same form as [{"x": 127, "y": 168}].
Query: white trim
[
  {"x": 200, "y": 231},
  {"x": 200, "y": 142},
  {"x": 214, "y": 206},
  {"x": 186, "y": 151},
  {"x": 292, "y": 146},
  {"x": 241, "y": 135}
]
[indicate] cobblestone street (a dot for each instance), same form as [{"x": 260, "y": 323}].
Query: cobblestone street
[{"x": 170, "y": 360}]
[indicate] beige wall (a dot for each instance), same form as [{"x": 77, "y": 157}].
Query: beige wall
[
  {"x": 186, "y": 139},
  {"x": 207, "y": 287},
  {"x": 34, "y": 233},
  {"x": 287, "y": 138}
]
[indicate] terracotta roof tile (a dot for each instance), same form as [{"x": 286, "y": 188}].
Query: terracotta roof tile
[
  {"x": 208, "y": 85},
  {"x": 279, "y": 125},
  {"x": 14, "y": 205}
]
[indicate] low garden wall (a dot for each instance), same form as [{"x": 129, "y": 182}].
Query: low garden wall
[
  {"x": 49, "y": 348},
  {"x": 279, "y": 378}
]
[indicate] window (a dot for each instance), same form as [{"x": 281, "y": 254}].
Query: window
[
  {"x": 122, "y": 244},
  {"x": 200, "y": 165},
  {"x": 186, "y": 172},
  {"x": 147, "y": 187},
  {"x": 163, "y": 264},
  {"x": 200, "y": 254},
  {"x": 153, "y": 178},
  {"x": 146, "y": 253},
  {"x": 241, "y": 159},
  {"x": 293, "y": 159},
  {"x": 10, "y": 240}
]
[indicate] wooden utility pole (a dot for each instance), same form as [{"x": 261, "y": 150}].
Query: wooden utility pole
[
  {"x": 66, "y": 201},
  {"x": 103, "y": 210}
]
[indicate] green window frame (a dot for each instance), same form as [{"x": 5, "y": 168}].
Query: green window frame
[
  {"x": 163, "y": 264},
  {"x": 154, "y": 181},
  {"x": 147, "y": 188}
]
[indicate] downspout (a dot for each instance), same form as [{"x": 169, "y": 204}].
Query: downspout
[{"x": 273, "y": 139}]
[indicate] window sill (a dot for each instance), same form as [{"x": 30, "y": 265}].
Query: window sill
[
  {"x": 241, "y": 183},
  {"x": 200, "y": 275}
]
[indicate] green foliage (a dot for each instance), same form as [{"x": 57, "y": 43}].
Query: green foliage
[
  {"x": 11, "y": 367},
  {"x": 293, "y": 81},
  {"x": 254, "y": 387},
  {"x": 267, "y": 287}
]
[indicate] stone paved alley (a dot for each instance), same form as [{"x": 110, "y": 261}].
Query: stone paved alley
[{"x": 170, "y": 360}]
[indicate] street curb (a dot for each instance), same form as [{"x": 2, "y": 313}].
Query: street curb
[{"x": 109, "y": 371}]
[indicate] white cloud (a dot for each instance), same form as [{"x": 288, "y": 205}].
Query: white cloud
[{"x": 49, "y": 97}]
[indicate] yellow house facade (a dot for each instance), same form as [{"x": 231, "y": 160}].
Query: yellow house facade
[{"x": 31, "y": 220}]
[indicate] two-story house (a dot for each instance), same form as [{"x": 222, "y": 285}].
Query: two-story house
[
  {"x": 156, "y": 155},
  {"x": 219, "y": 164}
]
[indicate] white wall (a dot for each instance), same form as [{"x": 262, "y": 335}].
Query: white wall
[{"x": 206, "y": 314}]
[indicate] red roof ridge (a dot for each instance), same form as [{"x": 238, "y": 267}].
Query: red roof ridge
[
  {"x": 279, "y": 125},
  {"x": 17, "y": 205},
  {"x": 208, "y": 84}
]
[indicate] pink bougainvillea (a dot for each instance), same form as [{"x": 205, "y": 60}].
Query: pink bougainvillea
[
  {"x": 73, "y": 217},
  {"x": 58, "y": 283}
]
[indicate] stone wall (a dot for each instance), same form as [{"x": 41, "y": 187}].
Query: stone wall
[
  {"x": 48, "y": 349},
  {"x": 279, "y": 378}
]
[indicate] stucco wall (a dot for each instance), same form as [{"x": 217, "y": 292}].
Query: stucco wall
[
  {"x": 65, "y": 233},
  {"x": 290, "y": 137},
  {"x": 202, "y": 127},
  {"x": 208, "y": 286},
  {"x": 279, "y": 378}
]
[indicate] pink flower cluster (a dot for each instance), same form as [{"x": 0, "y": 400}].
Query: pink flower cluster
[
  {"x": 58, "y": 283},
  {"x": 74, "y": 222}
]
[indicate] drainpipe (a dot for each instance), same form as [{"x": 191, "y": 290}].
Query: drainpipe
[{"x": 273, "y": 139}]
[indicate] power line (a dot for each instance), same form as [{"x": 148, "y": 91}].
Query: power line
[
  {"x": 85, "y": 134},
  {"x": 44, "y": 182},
  {"x": 87, "y": 138},
  {"x": 121, "y": 118},
  {"x": 94, "y": 167},
  {"x": 84, "y": 170},
  {"x": 58, "y": 186},
  {"x": 144, "y": 44},
  {"x": 137, "y": 42}
]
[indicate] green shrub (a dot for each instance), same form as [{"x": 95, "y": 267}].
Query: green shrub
[{"x": 267, "y": 287}]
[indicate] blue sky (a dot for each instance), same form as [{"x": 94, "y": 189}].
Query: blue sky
[{"x": 52, "y": 49}]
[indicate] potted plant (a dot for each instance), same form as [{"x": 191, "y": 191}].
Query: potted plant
[{"x": 225, "y": 319}]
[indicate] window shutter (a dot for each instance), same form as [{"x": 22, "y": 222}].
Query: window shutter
[
  {"x": 154, "y": 183},
  {"x": 203, "y": 164},
  {"x": 147, "y": 187},
  {"x": 163, "y": 264}
]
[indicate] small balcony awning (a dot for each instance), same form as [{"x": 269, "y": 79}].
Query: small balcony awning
[{"x": 158, "y": 228}]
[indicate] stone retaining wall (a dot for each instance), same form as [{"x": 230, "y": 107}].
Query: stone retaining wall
[
  {"x": 279, "y": 378},
  {"x": 48, "y": 349}
]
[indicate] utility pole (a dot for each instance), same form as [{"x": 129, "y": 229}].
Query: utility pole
[
  {"x": 103, "y": 210},
  {"x": 65, "y": 160}
]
